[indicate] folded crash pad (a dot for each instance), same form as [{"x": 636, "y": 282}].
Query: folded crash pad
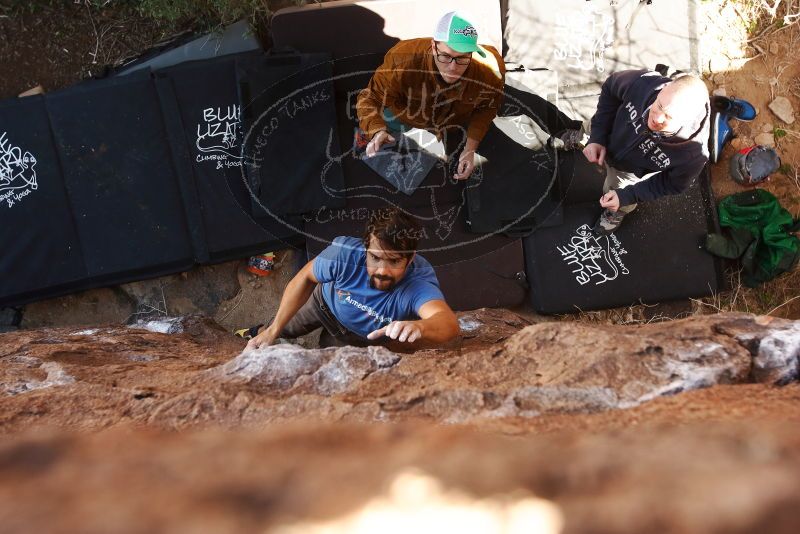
[
  {"x": 205, "y": 113},
  {"x": 38, "y": 234},
  {"x": 135, "y": 177},
  {"x": 291, "y": 141},
  {"x": 117, "y": 171},
  {"x": 656, "y": 255},
  {"x": 233, "y": 39},
  {"x": 438, "y": 202}
]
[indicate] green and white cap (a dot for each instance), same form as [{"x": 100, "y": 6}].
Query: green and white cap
[{"x": 457, "y": 33}]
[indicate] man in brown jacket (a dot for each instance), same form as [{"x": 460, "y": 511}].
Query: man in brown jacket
[{"x": 448, "y": 85}]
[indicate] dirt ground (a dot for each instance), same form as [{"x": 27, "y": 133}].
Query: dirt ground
[
  {"x": 757, "y": 62},
  {"x": 746, "y": 54},
  {"x": 57, "y": 46}
]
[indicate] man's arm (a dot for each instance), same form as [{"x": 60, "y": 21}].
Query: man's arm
[
  {"x": 466, "y": 161},
  {"x": 611, "y": 96},
  {"x": 371, "y": 102},
  {"x": 481, "y": 119},
  {"x": 381, "y": 91},
  {"x": 479, "y": 124},
  {"x": 296, "y": 294},
  {"x": 437, "y": 324},
  {"x": 669, "y": 182}
]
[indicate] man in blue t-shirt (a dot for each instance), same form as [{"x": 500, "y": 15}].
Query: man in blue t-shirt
[{"x": 366, "y": 291}]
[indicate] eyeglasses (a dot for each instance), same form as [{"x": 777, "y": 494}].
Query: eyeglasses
[{"x": 447, "y": 58}]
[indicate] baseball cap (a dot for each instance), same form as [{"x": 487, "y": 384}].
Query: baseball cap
[
  {"x": 457, "y": 33},
  {"x": 753, "y": 164}
]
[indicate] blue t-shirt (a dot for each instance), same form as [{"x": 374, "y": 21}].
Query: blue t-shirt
[{"x": 342, "y": 270}]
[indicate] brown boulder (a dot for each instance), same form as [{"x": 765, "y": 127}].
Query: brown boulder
[{"x": 93, "y": 378}]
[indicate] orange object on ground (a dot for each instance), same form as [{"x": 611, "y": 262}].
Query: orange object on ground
[{"x": 262, "y": 264}]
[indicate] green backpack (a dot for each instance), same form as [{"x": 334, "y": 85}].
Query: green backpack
[{"x": 760, "y": 233}]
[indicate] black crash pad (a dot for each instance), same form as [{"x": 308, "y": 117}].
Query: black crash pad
[
  {"x": 38, "y": 235},
  {"x": 236, "y": 38},
  {"x": 519, "y": 190},
  {"x": 205, "y": 112},
  {"x": 492, "y": 263},
  {"x": 118, "y": 174},
  {"x": 291, "y": 142},
  {"x": 655, "y": 256},
  {"x": 114, "y": 190}
]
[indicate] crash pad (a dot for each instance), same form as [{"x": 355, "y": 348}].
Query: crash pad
[{"x": 656, "y": 255}]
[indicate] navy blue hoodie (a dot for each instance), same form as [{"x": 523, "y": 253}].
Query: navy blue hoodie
[{"x": 620, "y": 125}]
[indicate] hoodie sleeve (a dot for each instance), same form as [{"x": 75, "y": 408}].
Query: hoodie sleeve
[
  {"x": 611, "y": 96},
  {"x": 669, "y": 182}
]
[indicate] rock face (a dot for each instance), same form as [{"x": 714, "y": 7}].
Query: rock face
[
  {"x": 226, "y": 472},
  {"x": 197, "y": 374}
]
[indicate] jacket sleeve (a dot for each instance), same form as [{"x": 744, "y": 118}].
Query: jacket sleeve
[
  {"x": 482, "y": 117},
  {"x": 669, "y": 182},
  {"x": 611, "y": 96},
  {"x": 382, "y": 90}
]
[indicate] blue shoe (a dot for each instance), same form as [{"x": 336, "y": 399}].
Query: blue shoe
[
  {"x": 721, "y": 133},
  {"x": 734, "y": 107}
]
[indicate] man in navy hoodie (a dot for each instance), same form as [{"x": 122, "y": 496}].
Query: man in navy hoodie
[{"x": 651, "y": 133}]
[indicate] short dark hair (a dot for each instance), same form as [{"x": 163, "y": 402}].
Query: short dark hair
[{"x": 396, "y": 230}]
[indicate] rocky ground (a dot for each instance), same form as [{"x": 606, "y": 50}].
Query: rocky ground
[
  {"x": 671, "y": 427},
  {"x": 755, "y": 59}
]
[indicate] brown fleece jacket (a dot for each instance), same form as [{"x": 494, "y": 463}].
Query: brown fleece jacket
[{"x": 409, "y": 84}]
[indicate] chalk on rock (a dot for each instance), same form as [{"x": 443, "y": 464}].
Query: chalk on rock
[
  {"x": 276, "y": 367},
  {"x": 349, "y": 366},
  {"x": 165, "y": 325},
  {"x": 778, "y": 358}
]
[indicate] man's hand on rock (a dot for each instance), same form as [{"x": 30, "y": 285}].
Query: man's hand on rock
[
  {"x": 595, "y": 153},
  {"x": 379, "y": 139},
  {"x": 404, "y": 331},
  {"x": 265, "y": 338}
]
